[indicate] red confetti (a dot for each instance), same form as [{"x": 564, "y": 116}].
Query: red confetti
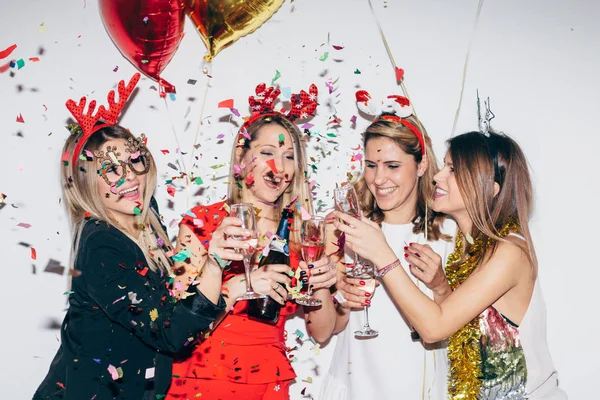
[
  {"x": 34, "y": 59},
  {"x": 5, "y": 53},
  {"x": 249, "y": 179},
  {"x": 143, "y": 272},
  {"x": 171, "y": 190},
  {"x": 20, "y": 119},
  {"x": 165, "y": 151},
  {"x": 226, "y": 103},
  {"x": 5, "y": 67},
  {"x": 337, "y": 47},
  {"x": 271, "y": 164},
  {"x": 399, "y": 74},
  {"x": 33, "y": 254},
  {"x": 87, "y": 214}
]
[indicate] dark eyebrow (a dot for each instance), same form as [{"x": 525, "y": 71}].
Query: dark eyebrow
[{"x": 385, "y": 162}]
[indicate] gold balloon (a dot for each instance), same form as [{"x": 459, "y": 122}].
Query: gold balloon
[{"x": 222, "y": 22}]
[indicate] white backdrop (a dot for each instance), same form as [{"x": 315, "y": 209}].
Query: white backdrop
[{"x": 536, "y": 59}]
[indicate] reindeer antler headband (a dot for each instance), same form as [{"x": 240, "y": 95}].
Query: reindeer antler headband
[
  {"x": 87, "y": 121},
  {"x": 303, "y": 104},
  {"x": 401, "y": 107}
]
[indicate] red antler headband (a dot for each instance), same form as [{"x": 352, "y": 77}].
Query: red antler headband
[
  {"x": 88, "y": 121},
  {"x": 303, "y": 104},
  {"x": 401, "y": 107}
]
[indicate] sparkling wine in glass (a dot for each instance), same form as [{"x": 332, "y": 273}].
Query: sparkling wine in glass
[
  {"x": 346, "y": 201},
  {"x": 366, "y": 331},
  {"x": 245, "y": 213},
  {"x": 313, "y": 247}
]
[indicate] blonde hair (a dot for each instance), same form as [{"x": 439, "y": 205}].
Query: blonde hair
[
  {"x": 299, "y": 185},
  {"x": 478, "y": 162},
  {"x": 406, "y": 140},
  {"x": 80, "y": 192}
]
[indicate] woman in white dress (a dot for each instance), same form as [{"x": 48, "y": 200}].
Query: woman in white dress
[
  {"x": 495, "y": 317},
  {"x": 397, "y": 180}
]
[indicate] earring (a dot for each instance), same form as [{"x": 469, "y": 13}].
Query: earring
[{"x": 419, "y": 174}]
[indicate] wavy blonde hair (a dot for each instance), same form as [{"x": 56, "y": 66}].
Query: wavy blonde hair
[
  {"x": 406, "y": 140},
  {"x": 299, "y": 185},
  {"x": 80, "y": 191},
  {"x": 473, "y": 155}
]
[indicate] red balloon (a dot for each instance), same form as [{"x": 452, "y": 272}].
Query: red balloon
[{"x": 146, "y": 32}]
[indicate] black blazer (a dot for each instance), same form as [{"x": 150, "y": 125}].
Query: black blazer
[{"x": 122, "y": 325}]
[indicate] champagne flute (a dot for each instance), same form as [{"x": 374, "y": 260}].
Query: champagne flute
[
  {"x": 366, "y": 331},
  {"x": 245, "y": 213},
  {"x": 346, "y": 201},
  {"x": 313, "y": 246}
]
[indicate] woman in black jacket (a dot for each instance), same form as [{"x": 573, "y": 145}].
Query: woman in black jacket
[{"x": 123, "y": 321}]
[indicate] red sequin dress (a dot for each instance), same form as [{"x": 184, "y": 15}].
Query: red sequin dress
[{"x": 239, "y": 350}]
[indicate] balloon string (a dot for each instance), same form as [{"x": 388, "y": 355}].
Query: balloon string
[
  {"x": 465, "y": 67},
  {"x": 200, "y": 119},
  {"x": 187, "y": 186},
  {"x": 389, "y": 53}
]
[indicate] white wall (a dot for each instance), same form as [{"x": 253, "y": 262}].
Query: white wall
[{"x": 536, "y": 59}]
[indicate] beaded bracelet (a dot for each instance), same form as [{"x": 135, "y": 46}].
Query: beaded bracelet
[{"x": 388, "y": 268}]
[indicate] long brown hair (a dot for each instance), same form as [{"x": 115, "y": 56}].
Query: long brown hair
[
  {"x": 479, "y": 161},
  {"x": 409, "y": 143},
  {"x": 298, "y": 186},
  {"x": 81, "y": 196}
]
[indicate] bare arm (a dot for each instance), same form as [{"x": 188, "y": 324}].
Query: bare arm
[{"x": 434, "y": 322}]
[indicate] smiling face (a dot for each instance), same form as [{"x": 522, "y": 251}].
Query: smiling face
[
  {"x": 268, "y": 165},
  {"x": 447, "y": 198},
  {"x": 120, "y": 196},
  {"x": 392, "y": 176}
]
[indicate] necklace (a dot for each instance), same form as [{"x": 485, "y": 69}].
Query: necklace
[{"x": 464, "y": 352}]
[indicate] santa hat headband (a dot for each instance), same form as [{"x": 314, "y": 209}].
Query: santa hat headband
[{"x": 400, "y": 106}]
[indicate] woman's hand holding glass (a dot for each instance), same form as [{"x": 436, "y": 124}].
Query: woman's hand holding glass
[
  {"x": 365, "y": 238},
  {"x": 222, "y": 246},
  {"x": 319, "y": 274},
  {"x": 353, "y": 291}
]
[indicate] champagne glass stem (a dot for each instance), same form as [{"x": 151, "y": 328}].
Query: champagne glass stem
[
  {"x": 247, "y": 273},
  {"x": 366, "y": 325}
]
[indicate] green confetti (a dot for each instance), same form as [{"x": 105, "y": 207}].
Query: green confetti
[
  {"x": 20, "y": 63},
  {"x": 145, "y": 61},
  {"x": 324, "y": 56},
  {"x": 182, "y": 255},
  {"x": 331, "y": 134},
  {"x": 216, "y": 166},
  {"x": 121, "y": 181},
  {"x": 223, "y": 264},
  {"x": 136, "y": 210},
  {"x": 356, "y": 71},
  {"x": 198, "y": 181},
  {"x": 69, "y": 292},
  {"x": 299, "y": 334},
  {"x": 169, "y": 181},
  {"x": 281, "y": 138},
  {"x": 277, "y": 76}
]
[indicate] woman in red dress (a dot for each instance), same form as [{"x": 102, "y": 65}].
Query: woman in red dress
[{"x": 245, "y": 358}]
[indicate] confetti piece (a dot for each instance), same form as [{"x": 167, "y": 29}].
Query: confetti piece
[
  {"x": 34, "y": 59},
  {"x": 20, "y": 63},
  {"x": 286, "y": 92},
  {"x": 277, "y": 76},
  {"x": 6, "y": 52},
  {"x": 145, "y": 20},
  {"x": 337, "y": 47},
  {"x": 281, "y": 138},
  {"x": 324, "y": 56},
  {"x": 198, "y": 181},
  {"x": 165, "y": 151},
  {"x": 2, "y": 197},
  {"x": 191, "y": 81},
  {"x": 24, "y": 225},
  {"x": 153, "y": 314},
  {"x": 331, "y": 134},
  {"x": 353, "y": 119},
  {"x": 357, "y": 72},
  {"x": 305, "y": 214},
  {"x": 133, "y": 298},
  {"x": 198, "y": 222},
  {"x": 249, "y": 179},
  {"x": 171, "y": 190},
  {"x": 118, "y": 300},
  {"x": 182, "y": 255},
  {"x": 271, "y": 163},
  {"x": 136, "y": 210},
  {"x": 399, "y": 74},
  {"x": 68, "y": 292},
  {"x": 220, "y": 136},
  {"x": 115, "y": 373},
  {"x": 20, "y": 118},
  {"x": 42, "y": 28},
  {"x": 223, "y": 264},
  {"x": 149, "y": 373},
  {"x": 299, "y": 333},
  {"x": 217, "y": 166},
  {"x": 308, "y": 380},
  {"x": 226, "y": 104},
  {"x": 33, "y": 254}
]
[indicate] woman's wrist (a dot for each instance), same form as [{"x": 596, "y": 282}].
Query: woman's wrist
[{"x": 385, "y": 260}]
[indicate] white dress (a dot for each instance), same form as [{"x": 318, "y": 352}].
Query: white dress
[{"x": 390, "y": 366}]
